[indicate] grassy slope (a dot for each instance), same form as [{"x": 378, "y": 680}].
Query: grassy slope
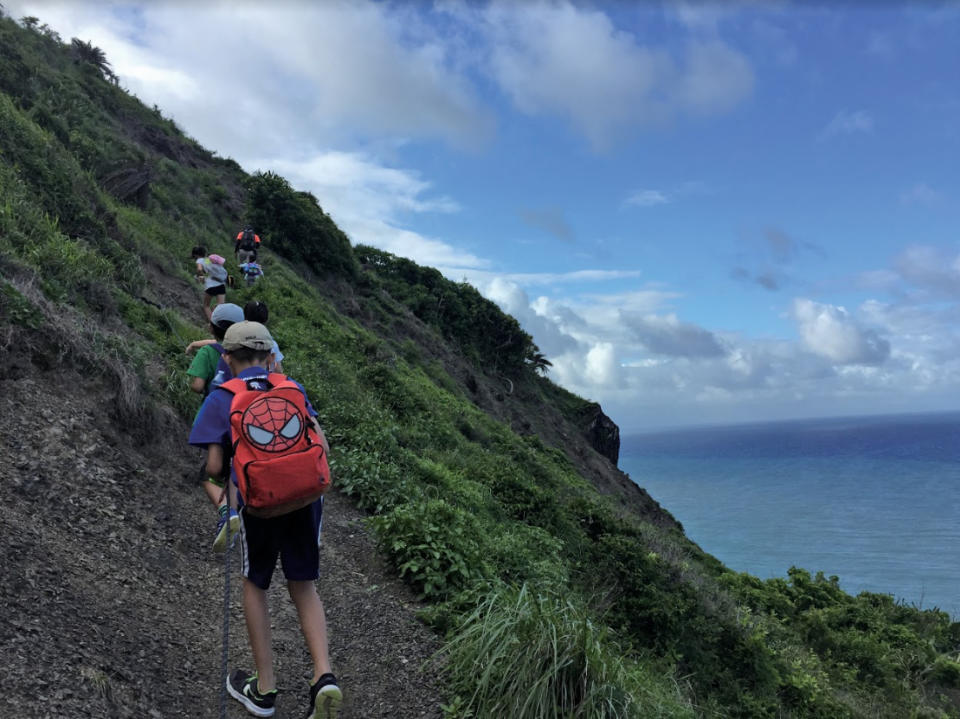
[{"x": 587, "y": 612}]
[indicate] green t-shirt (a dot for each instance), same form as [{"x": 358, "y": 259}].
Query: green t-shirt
[{"x": 205, "y": 364}]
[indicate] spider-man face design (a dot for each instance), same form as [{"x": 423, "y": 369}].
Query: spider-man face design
[{"x": 273, "y": 424}]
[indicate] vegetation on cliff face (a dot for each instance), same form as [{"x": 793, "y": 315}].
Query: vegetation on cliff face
[{"x": 555, "y": 599}]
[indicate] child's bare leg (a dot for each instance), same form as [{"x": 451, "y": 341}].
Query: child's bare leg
[
  {"x": 258, "y": 631},
  {"x": 215, "y": 493},
  {"x": 313, "y": 621}
]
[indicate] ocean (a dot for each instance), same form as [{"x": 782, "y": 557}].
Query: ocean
[{"x": 873, "y": 500}]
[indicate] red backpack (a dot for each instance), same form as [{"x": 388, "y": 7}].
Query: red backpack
[{"x": 277, "y": 454}]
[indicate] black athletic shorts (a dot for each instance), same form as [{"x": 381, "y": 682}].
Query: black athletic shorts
[
  {"x": 293, "y": 538},
  {"x": 216, "y": 291}
]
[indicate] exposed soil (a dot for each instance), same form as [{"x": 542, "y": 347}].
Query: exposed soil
[{"x": 113, "y": 602}]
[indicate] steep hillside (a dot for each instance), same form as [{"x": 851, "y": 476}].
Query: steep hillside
[{"x": 478, "y": 507}]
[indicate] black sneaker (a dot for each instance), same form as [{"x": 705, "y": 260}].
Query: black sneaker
[
  {"x": 325, "y": 698},
  {"x": 243, "y": 687}
]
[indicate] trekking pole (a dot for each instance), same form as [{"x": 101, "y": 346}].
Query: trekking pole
[{"x": 225, "y": 651}]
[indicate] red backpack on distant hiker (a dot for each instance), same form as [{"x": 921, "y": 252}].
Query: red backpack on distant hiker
[{"x": 277, "y": 454}]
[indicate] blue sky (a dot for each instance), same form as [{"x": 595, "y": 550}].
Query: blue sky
[{"x": 703, "y": 213}]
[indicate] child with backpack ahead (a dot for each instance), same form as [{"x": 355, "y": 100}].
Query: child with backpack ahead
[
  {"x": 212, "y": 273},
  {"x": 207, "y": 371},
  {"x": 253, "y": 311},
  {"x": 251, "y": 269},
  {"x": 279, "y": 466}
]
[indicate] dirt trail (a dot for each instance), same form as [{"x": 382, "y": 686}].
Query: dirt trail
[{"x": 112, "y": 600}]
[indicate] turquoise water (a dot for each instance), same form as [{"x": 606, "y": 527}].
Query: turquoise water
[{"x": 875, "y": 501}]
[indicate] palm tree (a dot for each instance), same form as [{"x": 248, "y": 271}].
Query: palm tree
[
  {"x": 87, "y": 53},
  {"x": 539, "y": 362}
]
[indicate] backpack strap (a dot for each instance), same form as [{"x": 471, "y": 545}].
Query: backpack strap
[
  {"x": 218, "y": 347},
  {"x": 234, "y": 386},
  {"x": 275, "y": 378},
  {"x": 239, "y": 384}
]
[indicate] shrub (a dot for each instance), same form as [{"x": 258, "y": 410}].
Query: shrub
[{"x": 436, "y": 546}]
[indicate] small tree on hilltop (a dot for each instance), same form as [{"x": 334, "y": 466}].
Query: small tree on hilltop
[{"x": 88, "y": 54}]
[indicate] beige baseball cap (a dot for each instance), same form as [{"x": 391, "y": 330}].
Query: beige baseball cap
[{"x": 251, "y": 335}]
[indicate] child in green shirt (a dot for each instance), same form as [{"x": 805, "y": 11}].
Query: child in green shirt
[{"x": 208, "y": 371}]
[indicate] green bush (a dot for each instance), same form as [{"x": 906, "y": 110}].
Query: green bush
[{"x": 436, "y": 546}]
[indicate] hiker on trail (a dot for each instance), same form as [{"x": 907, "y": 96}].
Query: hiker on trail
[
  {"x": 257, "y": 311},
  {"x": 281, "y": 427},
  {"x": 253, "y": 311},
  {"x": 247, "y": 243},
  {"x": 207, "y": 371},
  {"x": 251, "y": 269},
  {"x": 212, "y": 273}
]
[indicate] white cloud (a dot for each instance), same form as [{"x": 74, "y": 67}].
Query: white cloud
[
  {"x": 646, "y": 300},
  {"x": 647, "y": 198},
  {"x": 921, "y": 194},
  {"x": 715, "y": 79},
  {"x": 649, "y": 367},
  {"x": 379, "y": 190},
  {"x": 653, "y": 197},
  {"x": 929, "y": 272},
  {"x": 700, "y": 16},
  {"x": 667, "y": 335},
  {"x": 370, "y": 201},
  {"x": 848, "y": 123},
  {"x": 831, "y": 332},
  {"x": 284, "y": 72},
  {"x": 563, "y": 59},
  {"x": 535, "y": 279},
  {"x": 601, "y": 367}
]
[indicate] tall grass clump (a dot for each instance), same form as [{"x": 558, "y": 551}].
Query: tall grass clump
[{"x": 528, "y": 655}]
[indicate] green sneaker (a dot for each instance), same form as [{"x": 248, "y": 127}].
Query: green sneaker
[
  {"x": 243, "y": 687},
  {"x": 225, "y": 527}
]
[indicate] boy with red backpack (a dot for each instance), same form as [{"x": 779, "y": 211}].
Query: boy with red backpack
[{"x": 263, "y": 425}]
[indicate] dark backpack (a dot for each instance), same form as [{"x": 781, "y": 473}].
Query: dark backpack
[
  {"x": 248, "y": 240},
  {"x": 278, "y": 457}
]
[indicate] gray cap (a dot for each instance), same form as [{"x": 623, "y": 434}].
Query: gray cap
[
  {"x": 251, "y": 335},
  {"x": 227, "y": 313}
]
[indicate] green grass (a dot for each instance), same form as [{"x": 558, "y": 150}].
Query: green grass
[{"x": 529, "y": 655}]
